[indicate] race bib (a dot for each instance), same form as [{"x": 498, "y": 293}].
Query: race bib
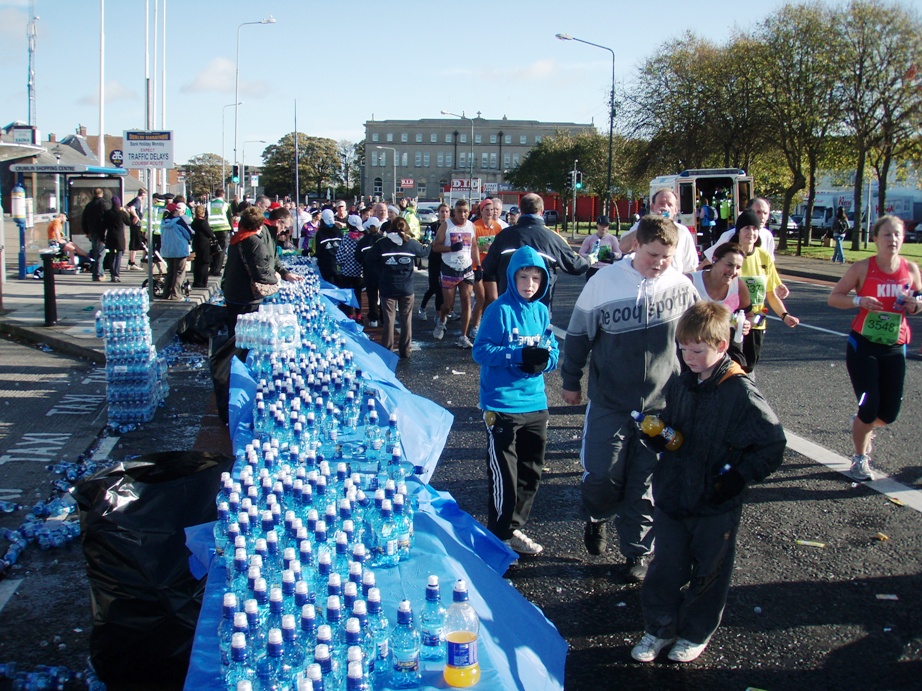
[
  {"x": 758, "y": 291},
  {"x": 882, "y": 327}
]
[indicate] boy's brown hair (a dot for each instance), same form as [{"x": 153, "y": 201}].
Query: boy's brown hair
[
  {"x": 704, "y": 322},
  {"x": 652, "y": 228}
]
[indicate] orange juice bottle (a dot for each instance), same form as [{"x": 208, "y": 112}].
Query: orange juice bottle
[
  {"x": 652, "y": 426},
  {"x": 462, "y": 630}
]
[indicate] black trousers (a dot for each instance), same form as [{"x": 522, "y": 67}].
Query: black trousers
[
  {"x": 217, "y": 253},
  {"x": 515, "y": 459}
]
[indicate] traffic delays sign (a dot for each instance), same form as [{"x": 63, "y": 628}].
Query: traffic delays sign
[{"x": 145, "y": 149}]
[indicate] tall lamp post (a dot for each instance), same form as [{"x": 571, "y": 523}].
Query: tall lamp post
[
  {"x": 237, "y": 102},
  {"x": 471, "y": 179},
  {"x": 223, "y": 162},
  {"x": 611, "y": 113},
  {"x": 394, "y": 200},
  {"x": 243, "y": 163}
]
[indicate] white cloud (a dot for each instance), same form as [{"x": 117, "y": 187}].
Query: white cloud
[
  {"x": 217, "y": 76},
  {"x": 115, "y": 92},
  {"x": 13, "y": 28}
]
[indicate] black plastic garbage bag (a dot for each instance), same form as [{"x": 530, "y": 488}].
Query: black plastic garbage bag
[
  {"x": 144, "y": 599},
  {"x": 204, "y": 322},
  {"x": 220, "y": 354}
]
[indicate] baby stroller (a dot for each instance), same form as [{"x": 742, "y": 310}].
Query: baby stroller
[{"x": 160, "y": 271}]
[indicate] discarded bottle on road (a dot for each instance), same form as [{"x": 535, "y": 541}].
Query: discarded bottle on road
[
  {"x": 652, "y": 426},
  {"x": 462, "y": 632}
]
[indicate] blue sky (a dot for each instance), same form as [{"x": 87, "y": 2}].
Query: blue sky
[{"x": 344, "y": 62}]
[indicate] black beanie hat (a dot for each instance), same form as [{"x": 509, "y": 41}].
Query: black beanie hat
[{"x": 747, "y": 218}]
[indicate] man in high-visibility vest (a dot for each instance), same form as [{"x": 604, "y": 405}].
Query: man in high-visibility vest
[
  {"x": 219, "y": 220},
  {"x": 408, "y": 213}
]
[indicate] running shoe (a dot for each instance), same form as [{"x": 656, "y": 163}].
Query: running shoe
[
  {"x": 861, "y": 468},
  {"x": 686, "y": 651},
  {"x": 649, "y": 647},
  {"x": 523, "y": 545}
]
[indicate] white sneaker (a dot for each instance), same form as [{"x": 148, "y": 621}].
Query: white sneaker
[
  {"x": 861, "y": 468},
  {"x": 649, "y": 647},
  {"x": 373, "y": 324},
  {"x": 686, "y": 651},
  {"x": 524, "y": 545},
  {"x": 134, "y": 267},
  {"x": 421, "y": 313},
  {"x": 453, "y": 317},
  {"x": 464, "y": 342},
  {"x": 439, "y": 331},
  {"x": 472, "y": 332}
]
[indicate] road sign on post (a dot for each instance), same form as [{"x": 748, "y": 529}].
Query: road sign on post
[{"x": 145, "y": 149}]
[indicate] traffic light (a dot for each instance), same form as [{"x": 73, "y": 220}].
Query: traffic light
[
  {"x": 235, "y": 178},
  {"x": 579, "y": 180},
  {"x": 570, "y": 180}
]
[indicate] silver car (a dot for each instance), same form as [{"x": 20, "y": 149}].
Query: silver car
[{"x": 427, "y": 214}]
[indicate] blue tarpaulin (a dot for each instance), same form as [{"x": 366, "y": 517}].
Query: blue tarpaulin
[{"x": 519, "y": 647}]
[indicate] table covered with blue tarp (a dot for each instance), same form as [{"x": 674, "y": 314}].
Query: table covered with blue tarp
[{"x": 519, "y": 647}]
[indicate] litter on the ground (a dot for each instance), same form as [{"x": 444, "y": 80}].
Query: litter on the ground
[
  {"x": 887, "y": 596},
  {"x": 810, "y": 543},
  {"x": 883, "y": 537},
  {"x": 897, "y": 501}
]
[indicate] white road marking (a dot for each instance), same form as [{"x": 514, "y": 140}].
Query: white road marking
[
  {"x": 804, "y": 325},
  {"x": 105, "y": 448},
  {"x": 7, "y": 588},
  {"x": 883, "y": 484},
  {"x": 42, "y": 447}
]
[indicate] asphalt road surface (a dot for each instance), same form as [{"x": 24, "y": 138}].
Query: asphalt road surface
[{"x": 798, "y": 616}]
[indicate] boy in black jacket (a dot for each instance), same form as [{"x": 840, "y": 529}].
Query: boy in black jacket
[
  {"x": 731, "y": 439},
  {"x": 393, "y": 259}
]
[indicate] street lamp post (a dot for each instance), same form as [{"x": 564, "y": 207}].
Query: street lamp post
[
  {"x": 470, "y": 181},
  {"x": 395, "y": 169},
  {"x": 611, "y": 113},
  {"x": 237, "y": 102},
  {"x": 243, "y": 163},
  {"x": 223, "y": 162}
]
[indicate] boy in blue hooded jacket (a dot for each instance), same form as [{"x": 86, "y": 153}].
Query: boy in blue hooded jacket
[{"x": 515, "y": 346}]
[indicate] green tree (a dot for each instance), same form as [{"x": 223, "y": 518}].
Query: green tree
[
  {"x": 879, "y": 87},
  {"x": 546, "y": 167},
  {"x": 795, "y": 59},
  {"x": 350, "y": 178},
  {"x": 203, "y": 174},
  {"x": 318, "y": 165}
]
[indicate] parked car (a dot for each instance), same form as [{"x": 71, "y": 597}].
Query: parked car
[
  {"x": 427, "y": 214},
  {"x": 551, "y": 217},
  {"x": 774, "y": 224}
]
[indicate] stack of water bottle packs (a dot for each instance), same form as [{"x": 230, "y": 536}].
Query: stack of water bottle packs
[
  {"x": 321, "y": 503},
  {"x": 135, "y": 374}
]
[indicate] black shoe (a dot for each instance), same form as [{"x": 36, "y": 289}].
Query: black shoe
[
  {"x": 595, "y": 537},
  {"x": 97, "y": 278},
  {"x": 637, "y": 568}
]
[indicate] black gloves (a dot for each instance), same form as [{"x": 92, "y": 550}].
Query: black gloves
[
  {"x": 457, "y": 246},
  {"x": 534, "y": 359},
  {"x": 727, "y": 486}
]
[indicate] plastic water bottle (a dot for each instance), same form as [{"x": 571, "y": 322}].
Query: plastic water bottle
[
  {"x": 379, "y": 627},
  {"x": 738, "y": 333},
  {"x": 293, "y": 651},
  {"x": 226, "y": 627},
  {"x": 239, "y": 669},
  {"x": 392, "y": 435},
  {"x": 386, "y": 554},
  {"x": 405, "y": 647},
  {"x": 269, "y": 667},
  {"x": 432, "y": 622},
  {"x": 462, "y": 630}
]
